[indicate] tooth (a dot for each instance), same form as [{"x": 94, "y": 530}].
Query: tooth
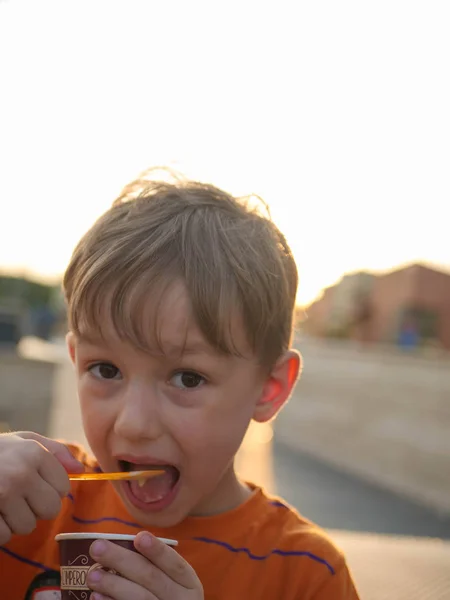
[{"x": 141, "y": 481}]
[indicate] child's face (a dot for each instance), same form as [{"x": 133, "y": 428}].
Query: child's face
[{"x": 186, "y": 410}]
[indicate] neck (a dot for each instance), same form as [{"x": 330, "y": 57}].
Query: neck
[{"x": 229, "y": 494}]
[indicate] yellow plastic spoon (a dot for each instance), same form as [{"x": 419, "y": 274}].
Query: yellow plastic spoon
[{"x": 116, "y": 476}]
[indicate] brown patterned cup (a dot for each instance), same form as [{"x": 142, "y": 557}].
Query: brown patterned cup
[{"x": 76, "y": 562}]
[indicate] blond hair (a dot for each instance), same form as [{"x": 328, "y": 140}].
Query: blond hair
[{"x": 229, "y": 256}]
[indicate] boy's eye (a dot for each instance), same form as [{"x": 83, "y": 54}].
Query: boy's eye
[
  {"x": 187, "y": 380},
  {"x": 105, "y": 371}
]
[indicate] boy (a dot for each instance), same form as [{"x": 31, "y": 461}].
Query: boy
[{"x": 180, "y": 303}]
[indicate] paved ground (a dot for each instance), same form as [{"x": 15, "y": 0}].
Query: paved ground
[{"x": 397, "y": 568}]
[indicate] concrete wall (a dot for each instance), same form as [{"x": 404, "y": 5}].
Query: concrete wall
[
  {"x": 26, "y": 392},
  {"x": 376, "y": 413},
  {"x": 65, "y": 421}
]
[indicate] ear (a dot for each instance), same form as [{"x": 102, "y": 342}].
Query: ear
[
  {"x": 278, "y": 386},
  {"x": 70, "y": 341}
]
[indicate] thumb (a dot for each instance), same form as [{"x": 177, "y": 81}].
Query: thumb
[{"x": 59, "y": 450}]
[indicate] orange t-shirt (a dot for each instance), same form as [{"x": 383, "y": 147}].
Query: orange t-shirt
[{"x": 262, "y": 549}]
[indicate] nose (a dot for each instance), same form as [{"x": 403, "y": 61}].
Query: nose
[{"x": 139, "y": 417}]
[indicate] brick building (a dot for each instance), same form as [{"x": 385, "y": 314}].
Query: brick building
[{"x": 415, "y": 293}]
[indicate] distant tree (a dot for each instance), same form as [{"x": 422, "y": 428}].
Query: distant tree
[{"x": 23, "y": 293}]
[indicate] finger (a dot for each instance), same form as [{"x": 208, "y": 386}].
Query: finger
[
  {"x": 52, "y": 471},
  {"x": 167, "y": 559},
  {"x": 67, "y": 460},
  {"x": 109, "y": 585},
  {"x": 59, "y": 450},
  {"x": 5, "y": 532},
  {"x": 44, "y": 500},
  {"x": 19, "y": 516},
  {"x": 133, "y": 567}
]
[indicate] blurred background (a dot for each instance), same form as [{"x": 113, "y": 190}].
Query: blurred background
[{"x": 337, "y": 115}]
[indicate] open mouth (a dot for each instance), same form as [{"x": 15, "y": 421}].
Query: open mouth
[{"x": 155, "y": 489}]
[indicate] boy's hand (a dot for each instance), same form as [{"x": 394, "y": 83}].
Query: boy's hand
[
  {"x": 157, "y": 573},
  {"x": 33, "y": 480}
]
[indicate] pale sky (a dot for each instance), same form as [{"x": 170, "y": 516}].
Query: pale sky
[{"x": 337, "y": 113}]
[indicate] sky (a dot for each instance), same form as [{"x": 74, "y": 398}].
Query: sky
[{"x": 336, "y": 113}]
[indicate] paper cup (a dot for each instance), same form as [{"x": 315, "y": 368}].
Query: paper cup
[{"x": 76, "y": 562}]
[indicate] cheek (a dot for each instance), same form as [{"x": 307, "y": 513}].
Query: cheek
[
  {"x": 218, "y": 429},
  {"x": 98, "y": 415},
  {"x": 97, "y": 426}
]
